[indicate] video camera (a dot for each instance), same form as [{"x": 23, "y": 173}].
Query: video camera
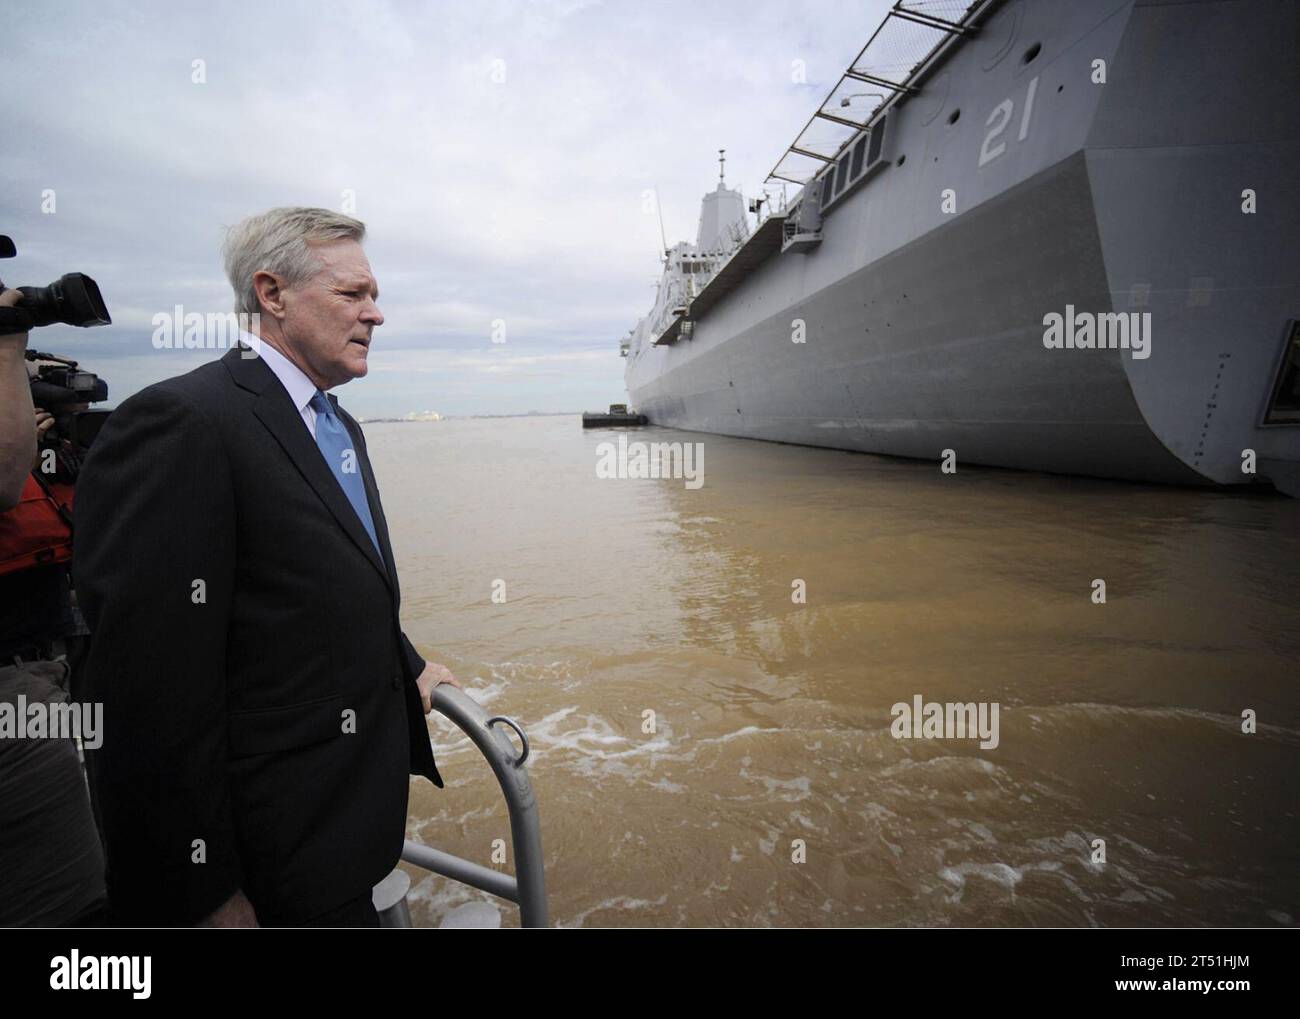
[
  {"x": 73, "y": 299},
  {"x": 58, "y": 385}
]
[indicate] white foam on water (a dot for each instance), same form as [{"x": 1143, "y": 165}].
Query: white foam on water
[
  {"x": 999, "y": 873},
  {"x": 1073, "y": 851},
  {"x": 749, "y": 730},
  {"x": 980, "y": 831},
  {"x": 473, "y": 814},
  {"x": 799, "y": 787},
  {"x": 623, "y": 902},
  {"x": 800, "y": 818},
  {"x": 485, "y": 692},
  {"x": 445, "y": 898},
  {"x": 944, "y": 763},
  {"x": 599, "y": 732}
]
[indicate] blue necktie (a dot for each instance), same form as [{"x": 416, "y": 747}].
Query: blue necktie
[{"x": 336, "y": 446}]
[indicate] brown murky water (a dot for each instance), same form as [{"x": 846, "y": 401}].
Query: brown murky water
[{"x": 1120, "y": 722}]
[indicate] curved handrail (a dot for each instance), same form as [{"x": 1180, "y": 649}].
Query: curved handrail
[{"x": 528, "y": 886}]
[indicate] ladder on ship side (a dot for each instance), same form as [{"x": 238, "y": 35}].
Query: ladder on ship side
[{"x": 527, "y": 886}]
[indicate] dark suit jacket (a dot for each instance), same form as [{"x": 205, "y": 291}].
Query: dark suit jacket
[{"x": 271, "y": 713}]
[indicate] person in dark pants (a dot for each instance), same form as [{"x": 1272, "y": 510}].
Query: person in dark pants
[
  {"x": 262, "y": 707},
  {"x": 51, "y": 863}
]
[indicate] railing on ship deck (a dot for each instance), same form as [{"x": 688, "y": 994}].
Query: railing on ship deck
[{"x": 527, "y": 886}]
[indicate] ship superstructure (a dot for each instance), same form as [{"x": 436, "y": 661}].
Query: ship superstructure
[{"x": 1050, "y": 235}]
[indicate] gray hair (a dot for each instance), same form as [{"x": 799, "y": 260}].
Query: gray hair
[{"x": 277, "y": 242}]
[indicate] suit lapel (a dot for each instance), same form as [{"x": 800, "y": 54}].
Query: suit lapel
[{"x": 277, "y": 413}]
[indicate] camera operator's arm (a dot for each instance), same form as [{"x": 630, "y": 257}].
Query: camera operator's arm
[
  {"x": 154, "y": 564},
  {"x": 17, "y": 420}
]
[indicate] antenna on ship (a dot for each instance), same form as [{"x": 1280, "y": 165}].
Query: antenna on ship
[{"x": 663, "y": 237}]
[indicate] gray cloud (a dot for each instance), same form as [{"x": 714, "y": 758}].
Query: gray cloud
[{"x": 518, "y": 200}]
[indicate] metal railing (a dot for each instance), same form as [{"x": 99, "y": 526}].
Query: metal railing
[
  {"x": 904, "y": 48},
  {"x": 527, "y": 886}
]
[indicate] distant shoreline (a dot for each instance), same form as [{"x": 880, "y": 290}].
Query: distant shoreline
[{"x": 468, "y": 417}]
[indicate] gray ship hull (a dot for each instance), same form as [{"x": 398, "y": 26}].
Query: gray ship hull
[{"x": 924, "y": 329}]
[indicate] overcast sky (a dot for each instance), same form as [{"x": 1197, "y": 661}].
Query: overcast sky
[{"x": 518, "y": 200}]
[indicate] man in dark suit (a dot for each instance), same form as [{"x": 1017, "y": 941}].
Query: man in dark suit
[{"x": 262, "y": 707}]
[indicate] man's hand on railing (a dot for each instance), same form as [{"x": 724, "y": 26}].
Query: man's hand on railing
[{"x": 433, "y": 675}]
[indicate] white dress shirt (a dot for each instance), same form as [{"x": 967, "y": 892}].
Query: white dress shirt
[{"x": 300, "y": 388}]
